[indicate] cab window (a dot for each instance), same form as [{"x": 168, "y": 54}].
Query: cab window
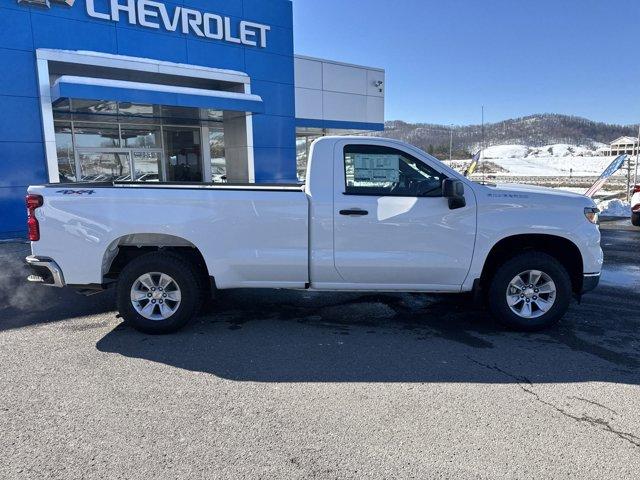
[{"x": 385, "y": 171}]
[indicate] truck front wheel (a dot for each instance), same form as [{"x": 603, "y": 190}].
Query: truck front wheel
[
  {"x": 158, "y": 293},
  {"x": 635, "y": 219},
  {"x": 530, "y": 292}
]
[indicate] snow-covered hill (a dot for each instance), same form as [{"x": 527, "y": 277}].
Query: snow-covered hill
[
  {"x": 501, "y": 152},
  {"x": 550, "y": 160},
  {"x": 523, "y": 151}
]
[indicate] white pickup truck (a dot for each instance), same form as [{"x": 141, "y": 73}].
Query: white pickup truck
[{"x": 374, "y": 215}]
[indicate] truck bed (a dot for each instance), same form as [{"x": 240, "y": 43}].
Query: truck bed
[
  {"x": 288, "y": 187},
  {"x": 249, "y": 235}
]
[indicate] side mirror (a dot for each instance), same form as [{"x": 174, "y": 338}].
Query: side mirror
[{"x": 453, "y": 190}]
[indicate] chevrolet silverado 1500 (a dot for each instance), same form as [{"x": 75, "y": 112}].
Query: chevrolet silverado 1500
[{"x": 374, "y": 215}]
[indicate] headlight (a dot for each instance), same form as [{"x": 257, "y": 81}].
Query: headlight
[{"x": 592, "y": 214}]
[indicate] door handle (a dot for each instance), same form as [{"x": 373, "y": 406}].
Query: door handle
[{"x": 356, "y": 212}]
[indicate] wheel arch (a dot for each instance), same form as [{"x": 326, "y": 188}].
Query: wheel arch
[
  {"x": 127, "y": 247},
  {"x": 561, "y": 248}
]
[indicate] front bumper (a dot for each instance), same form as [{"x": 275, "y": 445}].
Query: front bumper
[
  {"x": 589, "y": 282},
  {"x": 45, "y": 271}
]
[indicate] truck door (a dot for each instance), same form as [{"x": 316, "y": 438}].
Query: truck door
[{"x": 392, "y": 227}]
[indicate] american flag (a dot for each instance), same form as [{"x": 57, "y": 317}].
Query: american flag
[{"x": 611, "y": 169}]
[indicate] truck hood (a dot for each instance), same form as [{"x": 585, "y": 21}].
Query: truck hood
[
  {"x": 529, "y": 195},
  {"x": 532, "y": 189}
]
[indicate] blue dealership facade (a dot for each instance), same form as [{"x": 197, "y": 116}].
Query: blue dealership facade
[{"x": 181, "y": 90}]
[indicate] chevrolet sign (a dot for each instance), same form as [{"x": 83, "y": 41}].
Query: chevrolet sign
[
  {"x": 151, "y": 14},
  {"x": 156, "y": 15}
]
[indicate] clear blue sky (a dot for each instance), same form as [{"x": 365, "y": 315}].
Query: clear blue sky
[{"x": 446, "y": 58}]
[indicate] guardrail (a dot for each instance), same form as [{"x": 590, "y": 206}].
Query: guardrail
[{"x": 618, "y": 182}]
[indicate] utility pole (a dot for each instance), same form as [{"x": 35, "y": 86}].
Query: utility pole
[
  {"x": 450, "y": 143},
  {"x": 482, "y": 145},
  {"x": 635, "y": 176},
  {"x": 629, "y": 176}
]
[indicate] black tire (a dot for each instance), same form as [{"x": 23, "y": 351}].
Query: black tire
[
  {"x": 185, "y": 276},
  {"x": 635, "y": 219},
  {"x": 499, "y": 285}
]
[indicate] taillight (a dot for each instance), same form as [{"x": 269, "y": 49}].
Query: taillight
[
  {"x": 636, "y": 189},
  {"x": 33, "y": 202}
]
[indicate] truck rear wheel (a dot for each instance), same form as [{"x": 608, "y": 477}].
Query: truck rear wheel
[
  {"x": 158, "y": 293},
  {"x": 530, "y": 292}
]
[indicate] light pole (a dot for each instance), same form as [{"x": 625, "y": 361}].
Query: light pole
[
  {"x": 629, "y": 176},
  {"x": 635, "y": 176},
  {"x": 450, "y": 143},
  {"x": 483, "y": 145}
]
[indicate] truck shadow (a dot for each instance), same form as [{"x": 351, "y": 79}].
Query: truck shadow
[{"x": 302, "y": 337}]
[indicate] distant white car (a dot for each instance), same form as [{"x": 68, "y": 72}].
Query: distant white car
[{"x": 635, "y": 206}]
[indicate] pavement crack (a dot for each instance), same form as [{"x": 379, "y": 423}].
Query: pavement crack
[
  {"x": 519, "y": 379},
  {"x": 586, "y": 400},
  {"x": 524, "y": 383}
]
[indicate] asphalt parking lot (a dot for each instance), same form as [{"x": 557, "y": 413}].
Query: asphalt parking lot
[{"x": 301, "y": 385}]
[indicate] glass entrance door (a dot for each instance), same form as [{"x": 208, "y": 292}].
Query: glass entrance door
[
  {"x": 184, "y": 153},
  {"x": 147, "y": 165}
]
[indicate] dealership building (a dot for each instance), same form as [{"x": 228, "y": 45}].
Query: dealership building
[{"x": 206, "y": 91}]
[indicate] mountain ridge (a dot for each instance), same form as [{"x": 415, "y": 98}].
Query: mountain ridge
[{"x": 536, "y": 130}]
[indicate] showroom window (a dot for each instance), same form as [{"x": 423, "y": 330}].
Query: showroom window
[
  {"x": 385, "y": 171},
  {"x": 304, "y": 139},
  {"x": 305, "y": 136},
  {"x": 143, "y": 136},
  {"x": 64, "y": 149},
  {"x": 216, "y": 153},
  {"x": 96, "y": 135},
  {"x": 121, "y": 141}
]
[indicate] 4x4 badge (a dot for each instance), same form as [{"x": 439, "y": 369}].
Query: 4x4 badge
[{"x": 76, "y": 192}]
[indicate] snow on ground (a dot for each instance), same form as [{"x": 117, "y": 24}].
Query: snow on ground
[
  {"x": 554, "y": 166},
  {"x": 562, "y": 150},
  {"x": 505, "y": 151},
  {"x": 615, "y": 208},
  {"x": 551, "y": 160},
  {"x": 554, "y": 150}
]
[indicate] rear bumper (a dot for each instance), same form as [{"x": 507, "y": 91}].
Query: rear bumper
[
  {"x": 45, "y": 271},
  {"x": 590, "y": 281}
]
